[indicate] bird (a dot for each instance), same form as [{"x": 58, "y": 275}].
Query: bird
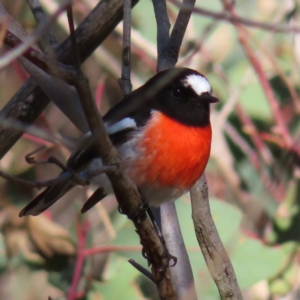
[{"x": 163, "y": 134}]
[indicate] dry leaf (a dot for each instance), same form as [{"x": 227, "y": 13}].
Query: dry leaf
[{"x": 49, "y": 237}]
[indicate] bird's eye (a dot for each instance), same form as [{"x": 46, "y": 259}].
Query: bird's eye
[{"x": 177, "y": 93}]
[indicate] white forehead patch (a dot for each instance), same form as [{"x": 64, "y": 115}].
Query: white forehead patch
[{"x": 198, "y": 83}]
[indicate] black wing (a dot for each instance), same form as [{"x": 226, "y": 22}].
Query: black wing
[{"x": 87, "y": 150}]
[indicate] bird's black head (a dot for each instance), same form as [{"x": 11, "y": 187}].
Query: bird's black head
[
  {"x": 182, "y": 94},
  {"x": 185, "y": 97}
]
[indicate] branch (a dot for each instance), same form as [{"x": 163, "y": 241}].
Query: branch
[
  {"x": 125, "y": 81},
  {"x": 40, "y": 16},
  {"x": 141, "y": 269},
  {"x": 214, "y": 253},
  {"x": 181, "y": 273},
  {"x": 169, "y": 54},
  {"x": 163, "y": 28}
]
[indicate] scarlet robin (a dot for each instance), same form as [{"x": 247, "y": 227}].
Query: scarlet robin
[{"x": 162, "y": 131}]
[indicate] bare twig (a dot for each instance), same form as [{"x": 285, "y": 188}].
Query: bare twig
[
  {"x": 75, "y": 52},
  {"x": 125, "y": 81},
  {"x": 141, "y": 269},
  {"x": 40, "y": 16},
  {"x": 211, "y": 245},
  {"x": 168, "y": 56},
  {"x": 163, "y": 28}
]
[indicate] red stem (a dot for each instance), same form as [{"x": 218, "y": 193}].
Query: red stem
[{"x": 81, "y": 235}]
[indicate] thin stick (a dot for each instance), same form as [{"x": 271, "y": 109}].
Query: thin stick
[
  {"x": 40, "y": 16},
  {"x": 125, "y": 81},
  {"x": 141, "y": 269},
  {"x": 163, "y": 28}
]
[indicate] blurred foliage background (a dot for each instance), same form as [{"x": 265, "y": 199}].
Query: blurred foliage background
[{"x": 253, "y": 174}]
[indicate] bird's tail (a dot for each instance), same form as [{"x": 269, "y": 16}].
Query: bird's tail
[{"x": 46, "y": 198}]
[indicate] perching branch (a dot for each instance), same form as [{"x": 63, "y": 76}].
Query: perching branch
[{"x": 214, "y": 253}]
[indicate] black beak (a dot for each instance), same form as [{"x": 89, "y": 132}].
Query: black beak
[{"x": 208, "y": 98}]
